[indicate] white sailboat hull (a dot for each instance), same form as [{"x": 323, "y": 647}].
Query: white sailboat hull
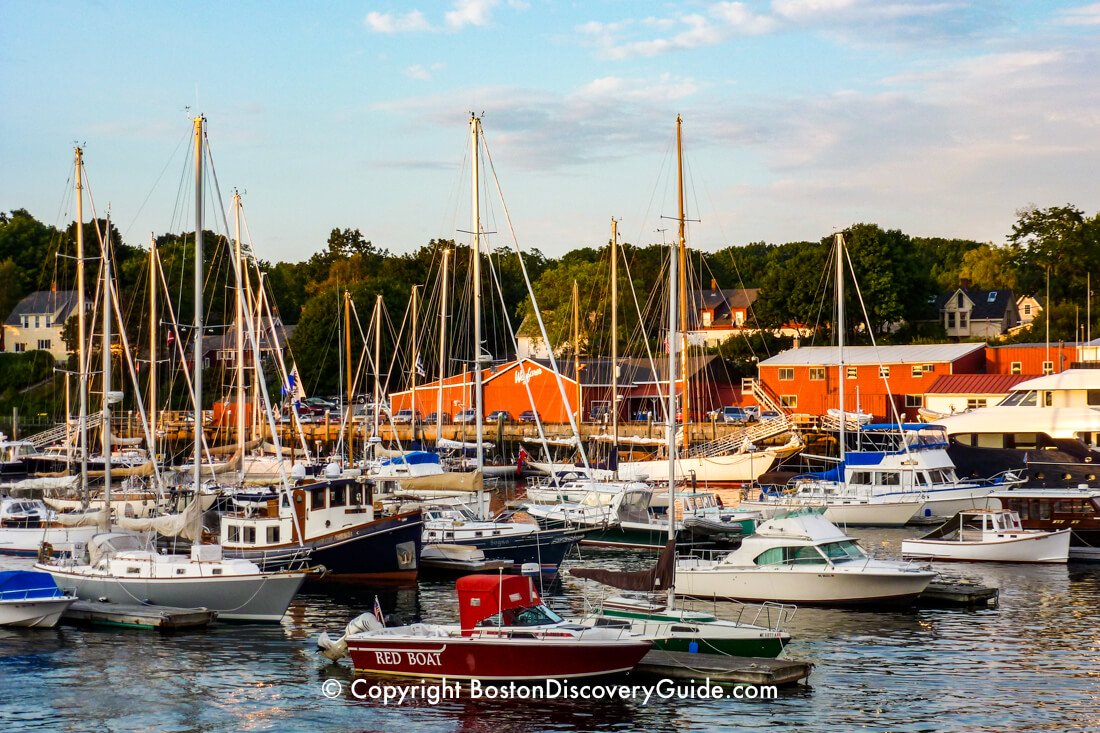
[
  {"x": 20, "y": 541},
  {"x": 729, "y": 469},
  {"x": 853, "y": 512},
  {"x": 1038, "y": 547}
]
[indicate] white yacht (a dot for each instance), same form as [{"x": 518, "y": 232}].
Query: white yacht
[
  {"x": 989, "y": 535},
  {"x": 801, "y": 558}
]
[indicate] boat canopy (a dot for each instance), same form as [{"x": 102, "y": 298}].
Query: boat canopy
[
  {"x": 412, "y": 458},
  {"x": 483, "y": 596},
  {"x": 27, "y": 584},
  {"x": 881, "y": 426},
  {"x": 836, "y": 473}
]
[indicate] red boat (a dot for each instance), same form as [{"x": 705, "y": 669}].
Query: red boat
[{"x": 505, "y": 633}]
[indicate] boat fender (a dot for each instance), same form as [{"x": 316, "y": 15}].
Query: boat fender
[{"x": 693, "y": 647}]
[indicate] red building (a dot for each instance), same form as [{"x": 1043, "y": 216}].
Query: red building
[
  {"x": 806, "y": 380},
  {"x": 1036, "y": 359}
]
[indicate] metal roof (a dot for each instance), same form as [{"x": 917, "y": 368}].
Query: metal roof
[
  {"x": 873, "y": 355},
  {"x": 976, "y": 383}
]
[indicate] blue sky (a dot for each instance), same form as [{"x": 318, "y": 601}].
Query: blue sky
[{"x": 939, "y": 118}]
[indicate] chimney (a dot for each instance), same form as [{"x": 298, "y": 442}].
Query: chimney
[
  {"x": 713, "y": 284},
  {"x": 964, "y": 283}
]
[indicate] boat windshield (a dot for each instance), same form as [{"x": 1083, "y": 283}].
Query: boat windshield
[
  {"x": 800, "y": 555},
  {"x": 530, "y": 616},
  {"x": 842, "y": 551}
]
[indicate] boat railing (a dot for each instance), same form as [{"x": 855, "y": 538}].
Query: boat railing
[
  {"x": 770, "y": 614},
  {"x": 24, "y": 594}
]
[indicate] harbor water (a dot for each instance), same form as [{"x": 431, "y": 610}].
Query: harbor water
[{"x": 1031, "y": 663}]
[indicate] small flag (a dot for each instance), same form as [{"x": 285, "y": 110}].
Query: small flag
[
  {"x": 420, "y": 367},
  {"x": 171, "y": 337},
  {"x": 378, "y": 612}
]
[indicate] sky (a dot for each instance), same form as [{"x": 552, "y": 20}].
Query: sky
[{"x": 936, "y": 117}]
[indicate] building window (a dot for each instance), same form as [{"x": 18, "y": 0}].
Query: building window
[
  {"x": 38, "y": 322},
  {"x": 739, "y": 318},
  {"x": 884, "y": 372},
  {"x": 1027, "y": 309},
  {"x": 917, "y": 371},
  {"x": 788, "y": 401},
  {"x": 786, "y": 374},
  {"x": 1048, "y": 367},
  {"x": 20, "y": 348},
  {"x": 950, "y": 320},
  {"x": 26, "y": 321},
  {"x": 974, "y": 403},
  {"x": 708, "y": 318},
  {"x": 1016, "y": 368},
  {"x": 44, "y": 344},
  {"x": 852, "y": 372},
  {"x": 914, "y": 400},
  {"x": 992, "y": 297},
  {"x": 962, "y": 320},
  {"x": 47, "y": 321},
  {"x": 928, "y": 367},
  {"x": 817, "y": 374}
]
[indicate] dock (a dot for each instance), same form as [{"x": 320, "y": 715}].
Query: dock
[
  {"x": 939, "y": 595},
  {"x": 722, "y": 669},
  {"x": 161, "y": 618}
]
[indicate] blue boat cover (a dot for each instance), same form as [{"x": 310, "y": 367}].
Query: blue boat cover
[
  {"x": 22, "y": 584},
  {"x": 881, "y": 426},
  {"x": 412, "y": 459}
]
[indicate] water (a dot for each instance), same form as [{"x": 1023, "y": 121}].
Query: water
[{"x": 1032, "y": 663}]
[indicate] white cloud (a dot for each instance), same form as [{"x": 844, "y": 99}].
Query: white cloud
[
  {"x": 1084, "y": 15},
  {"x": 470, "y": 12},
  {"x": 423, "y": 73},
  {"x": 408, "y": 22}
]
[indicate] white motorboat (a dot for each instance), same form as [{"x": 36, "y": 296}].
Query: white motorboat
[
  {"x": 28, "y": 525},
  {"x": 991, "y": 535},
  {"x": 800, "y": 558},
  {"x": 29, "y": 598}
]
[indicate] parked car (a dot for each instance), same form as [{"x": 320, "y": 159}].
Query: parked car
[
  {"x": 319, "y": 402},
  {"x": 499, "y": 415},
  {"x": 768, "y": 414},
  {"x": 530, "y": 416},
  {"x": 404, "y": 417},
  {"x": 466, "y": 416},
  {"x": 736, "y": 415},
  {"x": 439, "y": 417}
]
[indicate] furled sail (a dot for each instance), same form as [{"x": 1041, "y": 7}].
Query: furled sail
[
  {"x": 187, "y": 524},
  {"x": 81, "y": 519},
  {"x": 657, "y": 578}
]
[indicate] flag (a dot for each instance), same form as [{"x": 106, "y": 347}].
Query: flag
[
  {"x": 378, "y": 612},
  {"x": 171, "y": 337},
  {"x": 293, "y": 387},
  {"x": 420, "y": 367},
  {"x": 521, "y": 459}
]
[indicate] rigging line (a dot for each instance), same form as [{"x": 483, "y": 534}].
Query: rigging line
[
  {"x": 156, "y": 183},
  {"x": 542, "y": 326},
  {"x": 648, "y": 350},
  {"x": 666, "y": 165}
]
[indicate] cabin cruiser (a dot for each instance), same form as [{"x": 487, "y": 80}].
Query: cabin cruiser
[
  {"x": 892, "y": 475},
  {"x": 800, "y": 558},
  {"x": 519, "y": 543},
  {"x": 1048, "y": 426}
]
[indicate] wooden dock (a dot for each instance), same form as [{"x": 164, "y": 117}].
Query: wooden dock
[
  {"x": 723, "y": 669},
  {"x": 938, "y": 595},
  {"x": 161, "y": 618}
]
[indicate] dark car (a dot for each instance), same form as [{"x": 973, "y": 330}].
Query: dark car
[
  {"x": 439, "y": 417},
  {"x": 499, "y": 416},
  {"x": 530, "y": 416}
]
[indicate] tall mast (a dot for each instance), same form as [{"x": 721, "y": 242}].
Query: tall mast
[
  {"x": 442, "y": 347},
  {"x": 377, "y": 360},
  {"x": 415, "y": 362},
  {"x": 673, "y": 345},
  {"x": 350, "y": 401},
  {"x": 615, "y": 346},
  {"x": 81, "y": 327},
  {"x": 153, "y": 331},
  {"x": 475, "y": 216},
  {"x": 106, "y": 350},
  {"x": 239, "y": 273},
  {"x": 577, "y": 349},
  {"x": 840, "y": 342},
  {"x": 682, "y": 282},
  {"x": 197, "y": 331}
]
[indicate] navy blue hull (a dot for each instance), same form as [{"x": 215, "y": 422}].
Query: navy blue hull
[{"x": 547, "y": 548}]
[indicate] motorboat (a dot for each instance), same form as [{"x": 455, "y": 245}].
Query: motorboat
[
  {"x": 123, "y": 568},
  {"x": 28, "y": 527},
  {"x": 505, "y": 632},
  {"x": 29, "y": 598},
  {"x": 519, "y": 543},
  {"x": 1077, "y": 509},
  {"x": 989, "y": 535},
  {"x": 800, "y": 558}
]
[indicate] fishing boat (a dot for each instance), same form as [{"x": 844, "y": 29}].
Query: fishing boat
[
  {"x": 989, "y": 535},
  {"x": 28, "y": 527},
  {"x": 505, "y": 632},
  {"x": 29, "y": 598},
  {"x": 1077, "y": 509},
  {"x": 801, "y": 558}
]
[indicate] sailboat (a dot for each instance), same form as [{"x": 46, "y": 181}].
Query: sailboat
[
  {"x": 672, "y": 628},
  {"x": 126, "y": 568}
]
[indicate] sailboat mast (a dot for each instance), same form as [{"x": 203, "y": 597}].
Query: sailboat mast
[
  {"x": 350, "y": 400},
  {"x": 377, "y": 361},
  {"x": 415, "y": 362},
  {"x": 615, "y": 346},
  {"x": 673, "y": 346},
  {"x": 239, "y": 305},
  {"x": 442, "y": 347},
  {"x": 682, "y": 279},
  {"x": 81, "y": 326},
  {"x": 840, "y": 342},
  {"x": 475, "y": 216},
  {"x": 577, "y": 349},
  {"x": 106, "y": 350},
  {"x": 197, "y": 331},
  {"x": 153, "y": 331}
]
